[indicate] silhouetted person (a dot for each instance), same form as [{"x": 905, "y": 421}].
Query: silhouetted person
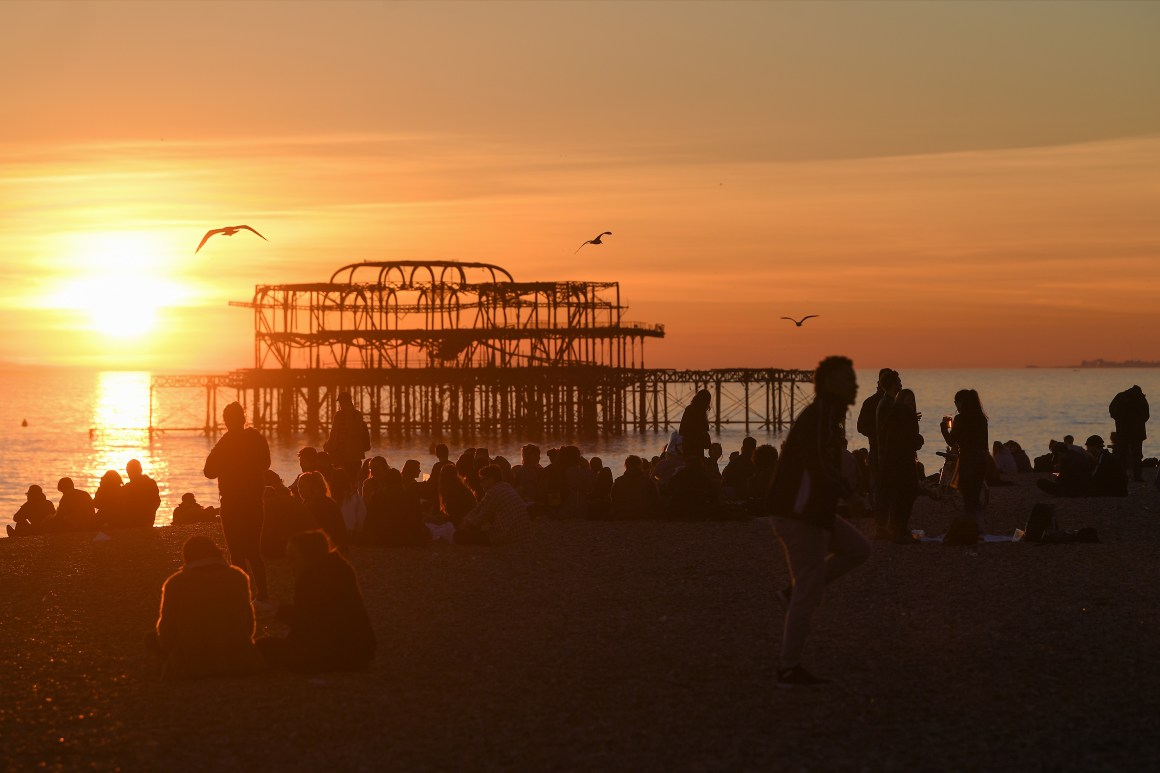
[
  {"x": 819, "y": 545},
  {"x": 394, "y": 517},
  {"x": 330, "y": 629},
  {"x": 34, "y": 516},
  {"x": 109, "y": 500},
  {"x": 1109, "y": 478},
  {"x": 75, "y": 510},
  {"x": 694, "y": 428},
  {"x": 735, "y": 477},
  {"x": 239, "y": 461},
  {"x": 890, "y": 384},
  {"x": 206, "y": 624},
  {"x": 1022, "y": 460},
  {"x": 968, "y": 433},
  {"x": 1075, "y": 467},
  {"x": 634, "y": 495},
  {"x": 307, "y": 462},
  {"x": 455, "y": 498},
  {"x": 764, "y": 465},
  {"x": 189, "y": 511},
  {"x": 283, "y": 516},
  {"x": 442, "y": 459},
  {"x": 898, "y": 442},
  {"x": 691, "y": 494},
  {"x": 527, "y": 476},
  {"x": 1004, "y": 460},
  {"x": 600, "y": 494},
  {"x": 1130, "y": 411},
  {"x": 349, "y": 437},
  {"x": 140, "y": 497},
  {"x": 323, "y": 509},
  {"x": 500, "y": 518},
  {"x": 868, "y": 426}
]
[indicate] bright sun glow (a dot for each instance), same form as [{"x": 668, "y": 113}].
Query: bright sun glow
[{"x": 119, "y": 284}]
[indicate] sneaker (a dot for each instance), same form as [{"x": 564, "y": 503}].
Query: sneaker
[
  {"x": 796, "y": 676},
  {"x": 784, "y": 595}
]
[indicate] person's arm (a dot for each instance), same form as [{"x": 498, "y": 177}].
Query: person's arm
[
  {"x": 482, "y": 513},
  {"x": 213, "y": 462},
  {"x": 167, "y": 616}
]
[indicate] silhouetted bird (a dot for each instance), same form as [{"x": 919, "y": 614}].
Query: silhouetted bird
[
  {"x": 799, "y": 322},
  {"x": 594, "y": 241},
  {"x": 227, "y": 231}
]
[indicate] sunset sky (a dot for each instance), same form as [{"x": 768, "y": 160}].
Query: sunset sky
[{"x": 946, "y": 184}]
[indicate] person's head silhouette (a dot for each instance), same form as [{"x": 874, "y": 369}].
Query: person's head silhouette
[
  {"x": 64, "y": 484},
  {"x": 200, "y": 548},
  {"x": 133, "y": 468},
  {"x": 234, "y": 416}
]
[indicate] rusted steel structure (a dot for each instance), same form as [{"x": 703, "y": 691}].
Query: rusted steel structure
[{"x": 446, "y": 348}]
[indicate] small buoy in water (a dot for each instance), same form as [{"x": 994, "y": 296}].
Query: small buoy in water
[{"x": 24, "y": 423}]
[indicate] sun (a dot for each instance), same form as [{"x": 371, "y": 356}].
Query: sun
[{"x": 118, "y": 288}]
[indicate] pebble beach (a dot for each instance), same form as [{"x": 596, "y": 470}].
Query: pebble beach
[{"x": 639, "y": 645}]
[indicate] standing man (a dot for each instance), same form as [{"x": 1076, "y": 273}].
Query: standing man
[
  {"x": 349, "y": 437},
  {"x": 868, "y": 426},
  {"x": 1130, "y": 410},
  {"x": 803, "y": 499},
  {"x": 891, "y": 386},
  {"x": 239, "y": 462}
]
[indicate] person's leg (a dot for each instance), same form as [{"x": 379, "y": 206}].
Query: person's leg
[
  {"x": 1136, "y": 458},
  {"x": 805, "y": 552},
  {"x": 252, "y": 550}
]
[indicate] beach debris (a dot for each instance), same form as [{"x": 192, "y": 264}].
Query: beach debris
[
  {"x": 595, "y": 240},
  {"x": 799, "y": 322},
  {"x": 227, "y": 231}
]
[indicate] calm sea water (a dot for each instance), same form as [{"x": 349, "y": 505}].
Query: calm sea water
[{"x": 82, "y": 423}]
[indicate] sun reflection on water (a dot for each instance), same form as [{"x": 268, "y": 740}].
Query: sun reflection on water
[{"x": 120, "y": 426}]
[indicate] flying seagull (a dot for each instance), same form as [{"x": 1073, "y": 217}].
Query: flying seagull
[
  {"x": 799, "y": 322},
  {"x": 594, "y": 241},
  {"x": 227, "y": 231}
]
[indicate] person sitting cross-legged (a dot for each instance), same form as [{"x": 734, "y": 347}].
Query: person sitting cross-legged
[
  {"x": 500, "y": 517},
  {"x": 206, "y": 624},
  {"x": 330, "y": 629}
]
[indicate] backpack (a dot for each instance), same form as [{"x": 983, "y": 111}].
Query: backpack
[{"x": 1042, "y": 519}]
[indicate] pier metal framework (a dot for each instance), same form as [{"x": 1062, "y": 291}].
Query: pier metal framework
[{"x": 453, "y": 349}]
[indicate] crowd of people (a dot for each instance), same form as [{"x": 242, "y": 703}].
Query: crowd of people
[{"x": 339, "y": 497}]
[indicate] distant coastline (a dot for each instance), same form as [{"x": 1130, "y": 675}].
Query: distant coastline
[{"x": 1124, "y": 364}]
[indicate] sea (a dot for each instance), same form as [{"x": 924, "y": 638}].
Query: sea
[{"x": 80, "y": 423}]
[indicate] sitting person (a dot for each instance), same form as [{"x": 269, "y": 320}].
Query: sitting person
[
  {"x": 315, "y": 493},
  {"x": 1075, "y": 471},
  {"x": 672, "y": 459},
  {"x": 75, "y": 511},
  {"x": 109, "y": 500},
  {"x": 600, "y": 495},
  {"x": 735, "y": 477},
  {"x": 330, "y": 629},
  {"x": 691, "y": 495},
  {"x": 140, "y": 498},
  {"x": 394, "y": 516},
  {"x": 1109, "y": 478},
  {"x": 34, "y": 515},
  {"x": 634, "y": 495},
  {"x": 206, "y": 625},
  {"x": 1004, "y": 460},
  {"x": 283, "y": 516},
  {"x": 456, "y": 499},
  {"x": 501, "y": 516},
  {"x": 189, "y": 511},
  {"x": 1022, "y": 461},
  {"x": 764, "y": 465}
]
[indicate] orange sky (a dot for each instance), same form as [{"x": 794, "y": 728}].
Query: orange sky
[{"x": 964, "y": 184}]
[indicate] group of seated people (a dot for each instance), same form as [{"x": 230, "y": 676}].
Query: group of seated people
[
  {"x": 1092, "y": 470},
  {"x": 206, "y": 625},
  {"x": 116, "y": 505}
]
